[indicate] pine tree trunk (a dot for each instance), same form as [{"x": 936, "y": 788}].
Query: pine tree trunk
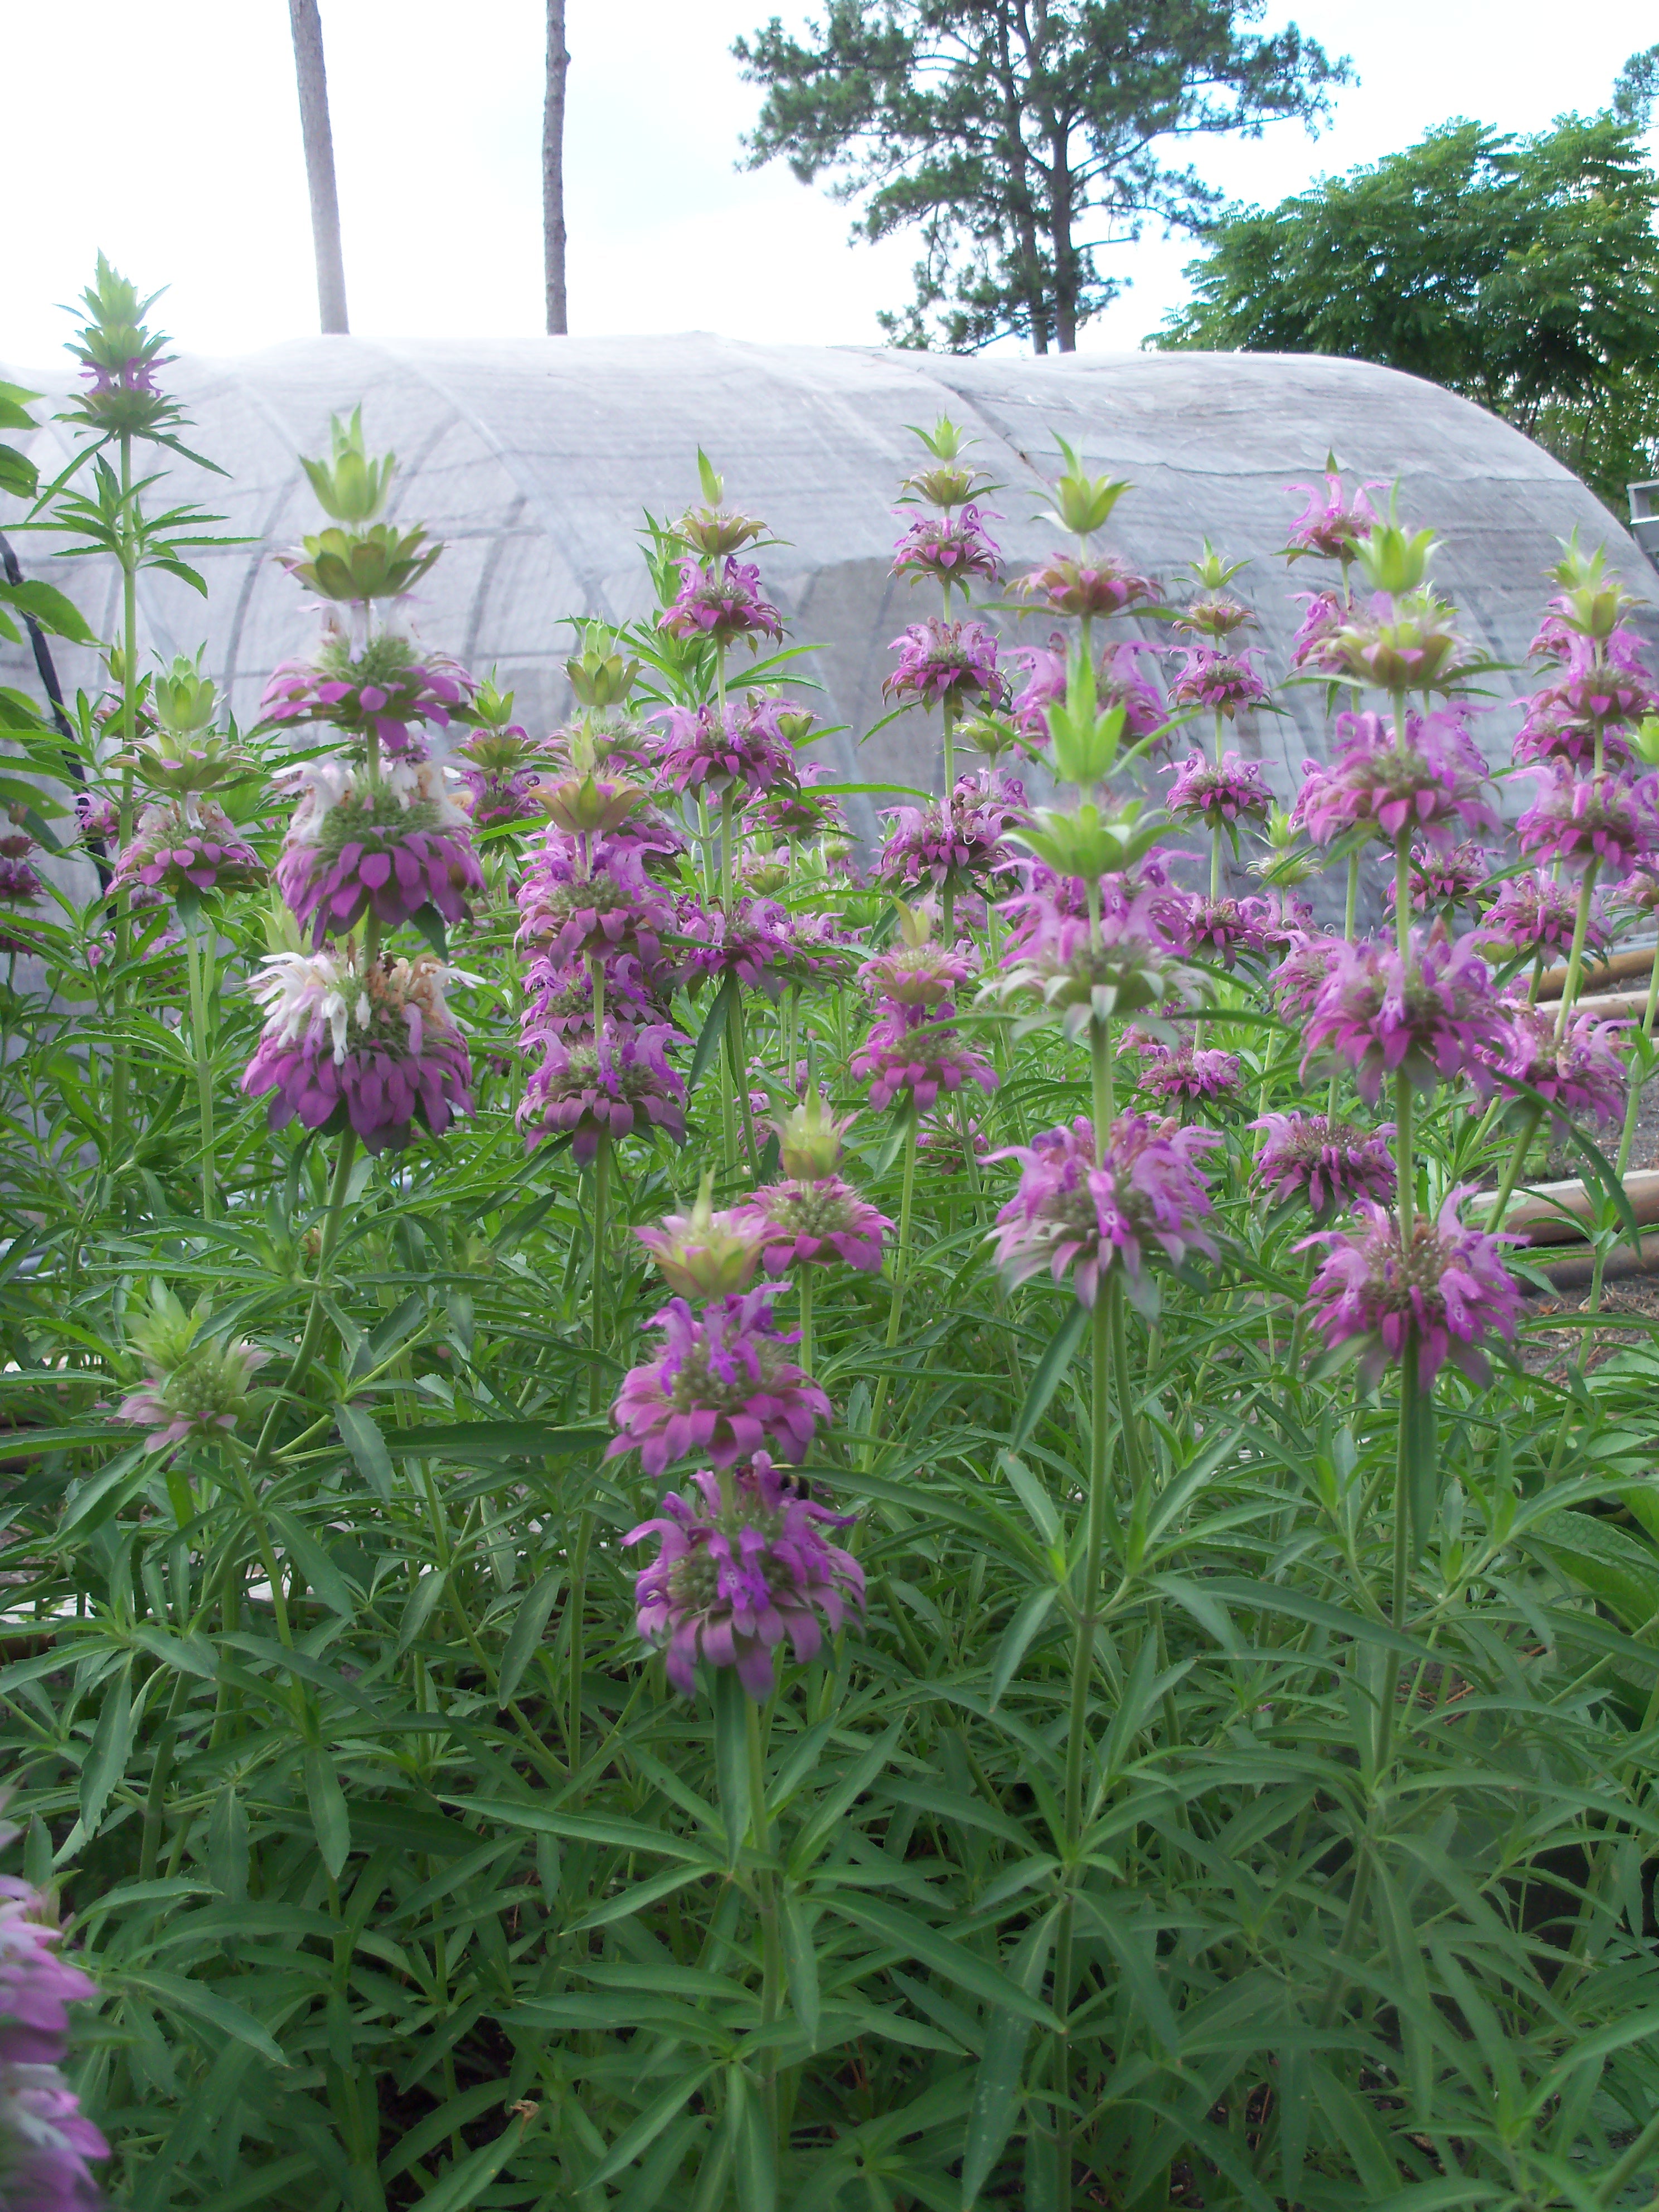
[
  {"x": 558, "y": 61},
  {"x": 307, "y": 26}
]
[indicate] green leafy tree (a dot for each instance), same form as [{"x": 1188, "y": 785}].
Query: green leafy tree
[
  {"x": 1523, "y": 272},
  {"x": 1020, "y": 137}
]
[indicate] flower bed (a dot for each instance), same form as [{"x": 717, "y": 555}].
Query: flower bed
[{"x": 695, "y": 1520}]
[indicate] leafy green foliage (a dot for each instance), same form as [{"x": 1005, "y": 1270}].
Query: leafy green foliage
[
  {"x": 1019, "y": 141},
  {"x": 1520, "y": 272}
]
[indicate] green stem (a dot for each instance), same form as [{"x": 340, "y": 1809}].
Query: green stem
[
  {"x": 901, "y": 1260},
  {"x": 1107, "y": 1298},
  {"x": 1632, "y": 1109},
  {"x": 313, "y": 1328},
  {"x": 197, "y": 954},
  {"x": 1351, "y": 908},
  {"x": 596, "y": 1330},
  {"x": 740, "y": 1054},
  {"x": 900, "y": 1277},
  {"x": 803, "y": 1349},
  {"x": 1100, "y": 1069},
  {"x": 1516, "y": 1161},
  {"x": 728, "y": 856},
  {"x": 1405, "y": 1163},
  {"x": 1575, "y": 958},
  {"x": 119, "y": 1069},
  {"x": 578, "y": 1610}
]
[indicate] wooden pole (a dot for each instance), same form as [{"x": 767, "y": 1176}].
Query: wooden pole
[
  {"x": 307, "y": 27},
  {"x": 553, "y": 234}
]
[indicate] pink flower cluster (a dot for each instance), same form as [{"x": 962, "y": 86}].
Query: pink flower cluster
[
  {"x": 721, "y": 603},
  {"x": 1120, "y": 681},
  {"x": 383, "y": 692},
  {"x": 723, "y": 1389},
  {"x": 1608, "y": 820},
  {"x": 950, "y": 548},
  {"x": 1579, "y": 1070},
  {"x": 742, "y": 750},
  {"x": 1433, "y": 1017},
  {"x": 1220, "y": 795},
  {"x": 1329, "y": 1161},
  {"x": 941, "y": 662},
  {"x": 1103, "y": 584},
  {"x": 1144, "y": 1199},
  {"x": 1535, "y": 915},
  {"x": 620, "y": 1085},
  {"x": 179, "y": 845},
  {"x": 910, "y": 1057},
  {"x": 957, "y": 846},
  {"x": 1225, "y": 681},
  {"x": 1428, "y": 783},
  {"x": 743, "y": 1565},
  {"x": 349, "y": 1042},
  {"x": 47, "y": 2144},
  {"x": 387, "y": 843},
  {"x": 1444, "y": 1292}
]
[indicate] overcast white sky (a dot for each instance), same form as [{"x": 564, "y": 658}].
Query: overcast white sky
[{"x": 169, "y": 135}]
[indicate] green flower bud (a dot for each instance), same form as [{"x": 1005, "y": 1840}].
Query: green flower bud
[
  {"x": 381, "y": 562},
  {"x": 1082, "y": 502},
  {"x": 183, "y": 699},
  {"x": 351, "y": 488}
]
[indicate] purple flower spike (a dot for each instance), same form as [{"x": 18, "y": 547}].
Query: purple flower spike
[
  {"x": 45, "y": 2140},
  {"x": 180, "y": 845},
  {"x": 1329, "y": 1161},
  {"x": 1592, "y": 698},
  {"x": 745, "y": 751},
  {"x": 1580, "y": 1074},
  {"x": 723, "y": 1389},
  {"x": 1327, "y": 613},
  {"x": 1535, "y": 915},
  {"x": 1430, "y": 784},
  {"x": 1223, "y": 681},
  {"x": 1448, "y": 1288},
  {"x": 381, "y": 691},
  {"x": 1332, "y": 523},
  {"x": 386, "y": 846},
  {"x": 622, "y": 1087},
  {"x": 610, "y": 905},
  {"x": 915, "y": 1061},
  {"x": 1438, "y": 880},
  {"x": 940, "y": 660},
  {"x": 721, "y": 603},
  {"x": 1611, "y": 819},
  {"x": 1103, "y": 586},
  {"x": 1146, "y": 1197},
  {"x": 1235, "y": 791},
  {"x": 950, "y": 548},
  {"x": 814, "y": 1224},
  {"x": 1190, "y": 1071},
  {"x": 1300, "y": 976},
  {"x": 1118, "y": 681},
  {"x": 1221, "y": 928},
  {"x": 360, "y": 1043},
  {"x": 1432, "y": 1018},
  {"x": 743, "y": 1565},
  {"x": 957, "y": 846}
]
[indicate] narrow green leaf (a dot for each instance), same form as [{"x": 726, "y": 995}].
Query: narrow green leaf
[
  {"x": 329, "y": 1816},
  {"x": 642, "y": 2133},
  {"x": 1017, "y": 1638},
  {"x": 189, "y": 1997},
  {"x": 713, "y": 1030},
  {"x": 360, "y": 1432},
  {"x": 996, "y": 2079},
  {"x": 1050, "y": 1368},
  {"x": 111, "y": 1745},
  {"x": 526, "y": 1634},
  {"x": 935, "y": 1948},
  {"x": 327, "y": 1582},
  {"x": 801, "y": 1962}
]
